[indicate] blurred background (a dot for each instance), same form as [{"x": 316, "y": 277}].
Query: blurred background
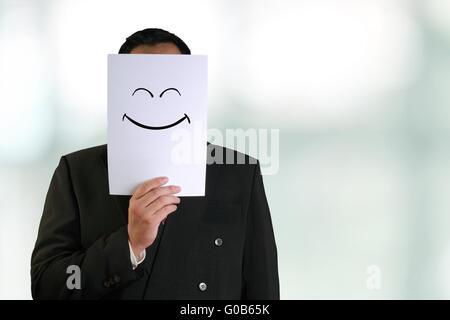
[{"x": 359, "y": 90}]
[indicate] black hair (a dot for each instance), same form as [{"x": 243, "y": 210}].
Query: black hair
[{"x": 152, "y": 36}]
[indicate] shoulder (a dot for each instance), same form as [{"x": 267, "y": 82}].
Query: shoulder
[
  {"x": 86, "y": 162},
  {"x": 222, "y": 155},
  {"x": 231, "y": 164},
  {"x": 230, "y": 175},
  {"x": 86, "y": 154}
]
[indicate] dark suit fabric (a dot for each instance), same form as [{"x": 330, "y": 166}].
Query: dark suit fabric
[{"x": 83, "y": 225}]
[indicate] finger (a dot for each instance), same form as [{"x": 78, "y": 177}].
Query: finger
[
  {"x": 147, "y": 186},
  {"x": 151, "y": 196},
  {"x": 162, "y": 213},
  {"x": 162, "y": 202}
]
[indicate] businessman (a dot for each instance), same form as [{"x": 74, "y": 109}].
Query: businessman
[{"x": 152, "y": 245}]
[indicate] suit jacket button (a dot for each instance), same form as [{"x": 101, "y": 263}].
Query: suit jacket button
[
  {"x": 218, "y": 242},
  {"x": 116, "y": 278},
  {"x": 107, "y": 283},
  {"x": 202, "y": 286}
]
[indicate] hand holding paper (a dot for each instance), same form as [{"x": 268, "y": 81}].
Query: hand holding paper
[{"x": 150, "y": 204}]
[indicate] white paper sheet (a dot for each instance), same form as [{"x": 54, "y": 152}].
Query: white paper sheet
[{"x": 157, "y": 121}]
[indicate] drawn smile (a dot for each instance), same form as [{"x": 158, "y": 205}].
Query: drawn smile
[{"x": 155, "y": 128}]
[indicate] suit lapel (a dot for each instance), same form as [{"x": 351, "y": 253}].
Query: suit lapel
[{"x": 122, "y": 201}]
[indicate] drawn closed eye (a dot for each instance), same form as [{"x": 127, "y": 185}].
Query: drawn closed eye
[
  {"x": 143, "y": 89},
  {"x": 174, "y": 89}
]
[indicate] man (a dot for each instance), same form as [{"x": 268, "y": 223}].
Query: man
[{"x": 151, "y": 245}]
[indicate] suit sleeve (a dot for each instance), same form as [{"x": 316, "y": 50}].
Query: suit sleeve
[
  {"x": 260, "y": 267},
  {"x": 105, "y": 266}
]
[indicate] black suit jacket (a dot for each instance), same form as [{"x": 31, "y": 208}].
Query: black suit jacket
[{"x": 83, "y": 225}]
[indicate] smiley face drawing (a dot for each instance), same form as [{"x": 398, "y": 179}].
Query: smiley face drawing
[
  {"x": 186, "y": 117},
  {"x": 157, "y": 121}
]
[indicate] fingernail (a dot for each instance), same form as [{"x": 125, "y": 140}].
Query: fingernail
[{"x": 164, "y": 179}]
